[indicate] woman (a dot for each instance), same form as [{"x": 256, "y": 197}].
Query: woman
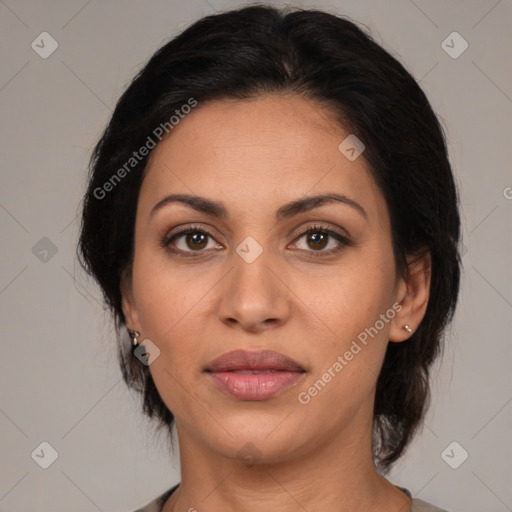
[{"x": 272, "y": 218}]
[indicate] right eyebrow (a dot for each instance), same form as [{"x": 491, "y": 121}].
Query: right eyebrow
[{"x": 201, "y": 204}]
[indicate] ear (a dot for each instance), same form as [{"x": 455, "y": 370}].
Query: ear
[
  {"x": 128, "y": 302},
  {"x": 412, "y": 294}
]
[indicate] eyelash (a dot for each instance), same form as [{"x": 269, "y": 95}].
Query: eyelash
[{"x": 343, "y": 241}]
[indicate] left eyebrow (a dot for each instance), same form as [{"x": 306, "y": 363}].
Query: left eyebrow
[
  {"x": 218, "y": 209},
  {"x": 308, "y": 203}
]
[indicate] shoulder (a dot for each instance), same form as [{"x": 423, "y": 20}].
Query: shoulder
[
  {"x": 423, "y": 506},
  {"x": 157, "y": 504}
]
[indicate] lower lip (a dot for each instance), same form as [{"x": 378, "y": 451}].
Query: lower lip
[{"x": 255, "y": 386}]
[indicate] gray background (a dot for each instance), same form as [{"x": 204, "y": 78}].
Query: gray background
[{"x": 59, "y": 380}]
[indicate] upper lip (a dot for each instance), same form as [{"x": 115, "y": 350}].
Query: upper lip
[{"x": 253, "y": 360}]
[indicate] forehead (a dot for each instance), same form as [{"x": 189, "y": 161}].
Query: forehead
[{"x": 265, "y": 150}]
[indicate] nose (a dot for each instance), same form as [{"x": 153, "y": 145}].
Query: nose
[{"x": 253, "y": 297}]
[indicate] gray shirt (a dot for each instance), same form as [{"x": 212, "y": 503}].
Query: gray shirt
[{"x": 157, "y": 504}]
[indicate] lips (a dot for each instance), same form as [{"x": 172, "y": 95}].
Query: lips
[
  {"x": 240, "y": 360},
  {"x": 253, "y": 375}
]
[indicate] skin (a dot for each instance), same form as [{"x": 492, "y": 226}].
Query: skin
[{"x": 254, "y": 156}]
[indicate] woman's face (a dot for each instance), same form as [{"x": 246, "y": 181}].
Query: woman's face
[{"x": 259, "y": 281}]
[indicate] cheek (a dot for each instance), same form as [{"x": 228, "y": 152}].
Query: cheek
[
  {"x": 168, "y": 294},
  {"x": 170, "y": 308},
  {"x": 174, "y": 307},
  {"x": 350, "y": 297},
  {"x": 346, "y": 360}
]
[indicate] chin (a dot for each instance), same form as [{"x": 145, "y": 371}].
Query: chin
[{"x": 260, "y": 438}]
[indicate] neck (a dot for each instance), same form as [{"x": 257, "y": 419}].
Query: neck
[{"x": 337, "y": 476}]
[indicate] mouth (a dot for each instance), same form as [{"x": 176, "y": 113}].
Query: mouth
[{"x": 258, "y": 375}]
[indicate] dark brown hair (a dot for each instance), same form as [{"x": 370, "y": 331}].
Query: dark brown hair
[{"x": 256, "y": 50}]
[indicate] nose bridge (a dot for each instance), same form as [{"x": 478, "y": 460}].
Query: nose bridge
[{"x": 253, "y": 296}]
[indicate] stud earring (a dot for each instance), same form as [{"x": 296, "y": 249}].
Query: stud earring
[
  {"x": 134, "y": 335},
  {"x": 407, "y": 328}
]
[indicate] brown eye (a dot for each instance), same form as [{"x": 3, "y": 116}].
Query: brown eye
[
  {"x": 317, "y": 241},
  {"x": 317, "y": 238},
  {"x": 189, "y": 241},
  {"x": 196, "y": 240}
]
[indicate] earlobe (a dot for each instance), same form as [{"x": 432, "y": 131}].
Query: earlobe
[{"x": 413, "y": 292}]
